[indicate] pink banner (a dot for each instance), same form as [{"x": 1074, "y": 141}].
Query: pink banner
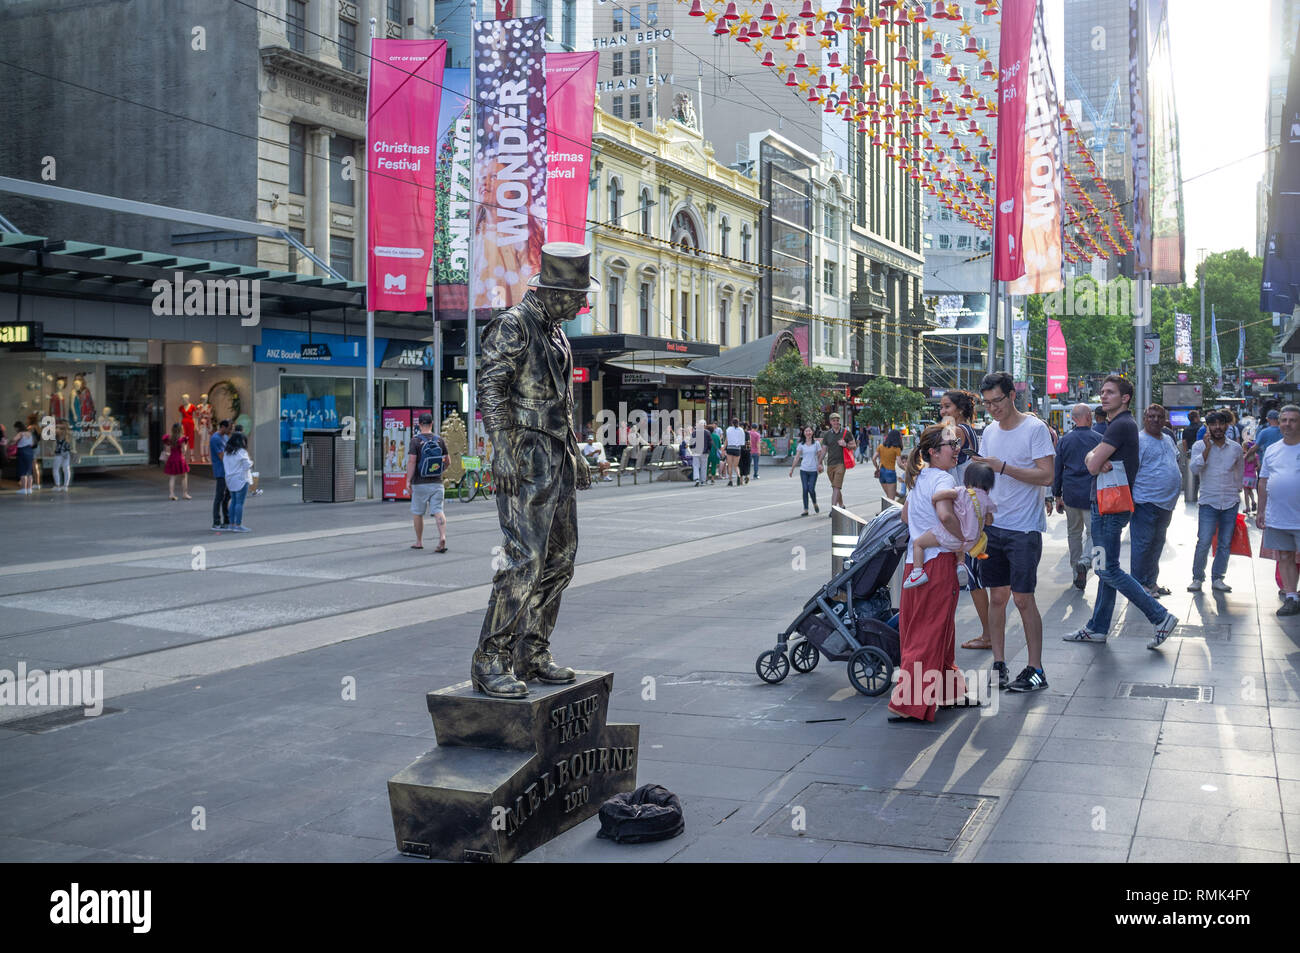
[
  {"x": 1013, "y": 83},
  {"x": 401, "y": 148},
  {"x": 570, "y": 110},
  {"x": 1058, "y": 371},
  {"x": 1043, "y": 198}
]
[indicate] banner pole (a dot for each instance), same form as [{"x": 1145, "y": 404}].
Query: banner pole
[
  {"x": 369, "y": 428},
  {"x": 992, "y": 362},
  {"x": 471, "y": 327}
]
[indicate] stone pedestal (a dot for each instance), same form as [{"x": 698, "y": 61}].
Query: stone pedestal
[{"x": 509, "y": 775}]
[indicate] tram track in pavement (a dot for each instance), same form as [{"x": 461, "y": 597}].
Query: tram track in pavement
[{"x": 122, "y": 617}]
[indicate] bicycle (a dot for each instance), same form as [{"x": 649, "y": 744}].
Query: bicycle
[{"x": 477, "y": 480}]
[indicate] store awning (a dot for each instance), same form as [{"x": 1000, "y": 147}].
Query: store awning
[
  {"x": 637, "y": 348},
  {"x": 746, "y": 360},
  {"x": 95, "y": 272}
]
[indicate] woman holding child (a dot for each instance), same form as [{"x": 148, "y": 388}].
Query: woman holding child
[{"x": 928, "y": 678}]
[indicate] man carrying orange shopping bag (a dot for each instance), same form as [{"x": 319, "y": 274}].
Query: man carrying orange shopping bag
[{"x": 1114, "y": 462}]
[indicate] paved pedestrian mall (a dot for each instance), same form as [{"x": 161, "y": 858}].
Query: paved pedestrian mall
[{"x": 230, "y": 732}]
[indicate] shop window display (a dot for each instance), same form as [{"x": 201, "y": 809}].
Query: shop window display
[
  {"x": 323, "y": 402},
  {"x": 101, "y": 410}
]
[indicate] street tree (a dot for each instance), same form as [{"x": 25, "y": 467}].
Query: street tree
[
  {"x": 886, "y": 404},
  {"x": 795, "y": 392}
]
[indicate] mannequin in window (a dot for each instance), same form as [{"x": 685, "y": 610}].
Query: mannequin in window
[
  {"x": 56, "y": 398},
  {"x": 203, "y": 430},
  {"x": 187, "y": 410},
  {"x": 106, "y": 425}
]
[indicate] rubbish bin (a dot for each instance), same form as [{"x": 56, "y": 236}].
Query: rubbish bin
[{"x": 329, "y": 467}]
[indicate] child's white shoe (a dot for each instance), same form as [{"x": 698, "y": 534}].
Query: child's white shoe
[{"x": 917, "y": 577}]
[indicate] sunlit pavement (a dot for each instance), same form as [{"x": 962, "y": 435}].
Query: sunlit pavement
[{"x": 226, "y": 660}]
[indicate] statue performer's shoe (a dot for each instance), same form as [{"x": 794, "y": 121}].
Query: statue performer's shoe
[
  {"x": 542, "y": 668},
  {"x": 492, "y": 676}
]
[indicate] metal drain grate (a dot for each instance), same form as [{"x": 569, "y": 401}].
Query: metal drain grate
[
  {"x": 1210, "y": 633},
  {"x": 38, "y": 724},
  {"x": 1191, "y": 693},
  {"x": 914, "y": 820}
]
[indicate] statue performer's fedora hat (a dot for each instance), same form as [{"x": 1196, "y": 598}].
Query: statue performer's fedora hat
[{"x": 566, "y": 266}]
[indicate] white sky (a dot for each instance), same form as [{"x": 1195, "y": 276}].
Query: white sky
[{"x": 1220, "y": 53}]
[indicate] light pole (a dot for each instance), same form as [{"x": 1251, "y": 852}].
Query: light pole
[{"x": 1202, "y": 271}]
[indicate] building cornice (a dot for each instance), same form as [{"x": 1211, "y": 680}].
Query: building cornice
[{"x": 305, "y": 69}]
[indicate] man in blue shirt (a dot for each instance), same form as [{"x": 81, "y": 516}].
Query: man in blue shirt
[
  {"x": 221, "y": 499},
  {"x": 1267, "y": 436},
  {"x": 1155, "y": 493},
  {"x": 1072, "y": 487},
  {"x": 1099, "y": 421}
]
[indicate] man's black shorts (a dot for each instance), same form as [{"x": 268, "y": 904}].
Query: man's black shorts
[{"x": 1013, "y": 560}]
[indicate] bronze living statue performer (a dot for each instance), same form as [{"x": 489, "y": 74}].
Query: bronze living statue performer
[{"x": 525, "y": 391}]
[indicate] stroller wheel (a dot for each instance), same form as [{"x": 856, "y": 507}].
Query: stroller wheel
[
  {"x": 772, "y": 666},
  {"x": 870, "y": 670},
  {"x": 804, "y": 657}
]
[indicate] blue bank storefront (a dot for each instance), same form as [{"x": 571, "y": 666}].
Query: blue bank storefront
[{"x": 307, "y": 380}]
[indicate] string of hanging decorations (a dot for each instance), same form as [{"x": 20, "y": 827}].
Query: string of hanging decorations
[{"x": 929, "y": 128}]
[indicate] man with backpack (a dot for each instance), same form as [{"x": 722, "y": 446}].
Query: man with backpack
[{"x": 426, "y": 459}]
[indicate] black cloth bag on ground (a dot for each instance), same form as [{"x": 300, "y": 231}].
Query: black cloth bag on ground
[{"x": 649, "y": 813}]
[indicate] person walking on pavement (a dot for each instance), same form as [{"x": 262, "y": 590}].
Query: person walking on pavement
[
  {"x": 1072, "y": 488},
  {"x": 736, "y": 439},
  {"x": 1250, "y": 471},
  {"x": 425, "y": 460},
  {"x": 926, "y": 623},
  {"x": 1019, "y": 449},
  {"x": 1220, "y": 463},
  {"x": 715, "y": 452},
  {"x": 237, "y": 465},
  {"x": 886, "y": 460},
  {"x": 1268, "y": 435},
  {"x": 808, "y": 455},
  {"x": 834, "y": 442},
  {"x": 23, "y": 443},
  {"x": 1155, "y": 492},
  {"x": 176, "y": 464},
  {"x": 1119, "y": 445},
  {"x": 62, "y": 456},
  {"x": 221, "y": 494},
  {"x": 700, "y": 451},
  {"x": 1279, "y": 505},
  {"x": 755, "y": 449}
]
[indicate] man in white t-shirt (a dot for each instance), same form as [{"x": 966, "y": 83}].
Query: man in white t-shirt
[
  {"x": 1279, "y": 504},
  {"x": 594, "y": 454},
  {"x": 1019, "y": 449}
]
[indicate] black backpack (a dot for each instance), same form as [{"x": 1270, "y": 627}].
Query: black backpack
[
  {"x": 649, "y": 813},
  {"x": 432, "y": 457}
]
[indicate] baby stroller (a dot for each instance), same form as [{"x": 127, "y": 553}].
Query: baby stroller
[{"x": 847, "y": 619}]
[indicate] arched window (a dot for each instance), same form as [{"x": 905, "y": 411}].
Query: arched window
[
  {"x": 646, "y": 205},
  {"x": 745, "y": 237},
  {"x": 685, "y": 233},
  {"x": 724, "y": 246},
  {"x": 615, "y": 200}
]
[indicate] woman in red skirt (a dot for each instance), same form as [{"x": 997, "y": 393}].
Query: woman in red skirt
[
  {"x": 928, "y": 679},
  {"x": 175, "y": 447}
]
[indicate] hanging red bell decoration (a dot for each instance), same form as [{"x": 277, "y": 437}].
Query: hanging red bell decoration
[
  {"x": 731, "y": 13},
  {"x": 696, "y": 10},
  {"x": 768, "y": 14}
]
